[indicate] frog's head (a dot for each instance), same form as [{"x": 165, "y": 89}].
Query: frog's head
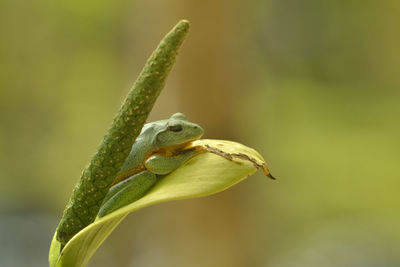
[{"x": 176, "y": 131}]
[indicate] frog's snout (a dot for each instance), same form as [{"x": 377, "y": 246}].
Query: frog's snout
[{"x": 199, "y": 130}]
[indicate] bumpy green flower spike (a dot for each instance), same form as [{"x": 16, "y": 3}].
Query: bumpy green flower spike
[{"x": 97, "y": 178}]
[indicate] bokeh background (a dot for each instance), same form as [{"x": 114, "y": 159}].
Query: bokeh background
[{"x": 312, "y": 85}]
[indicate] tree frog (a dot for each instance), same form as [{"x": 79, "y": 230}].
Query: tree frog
[{"x": 158, "y": 150}]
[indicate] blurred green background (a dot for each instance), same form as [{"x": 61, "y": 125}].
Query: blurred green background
[{"x": 312, "y": 85}]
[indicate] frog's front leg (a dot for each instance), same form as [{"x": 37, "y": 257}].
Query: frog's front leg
[
  {"x": 127, "y": 191},
  {"x": 133, "y": 188},
  {"x": 161, "y": 164}
]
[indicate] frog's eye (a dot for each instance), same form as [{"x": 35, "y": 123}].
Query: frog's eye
[
  {"x": 179, "y": 116},
  {"x": 175, "y": 128}
]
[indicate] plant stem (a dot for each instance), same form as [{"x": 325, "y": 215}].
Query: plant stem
[{"x": 98, "y": 176}]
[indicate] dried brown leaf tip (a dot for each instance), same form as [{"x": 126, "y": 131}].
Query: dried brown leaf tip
[{"x": 237, "y": 157}]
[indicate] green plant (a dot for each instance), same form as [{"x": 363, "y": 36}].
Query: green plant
[{"x": 225, "y": 164}]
